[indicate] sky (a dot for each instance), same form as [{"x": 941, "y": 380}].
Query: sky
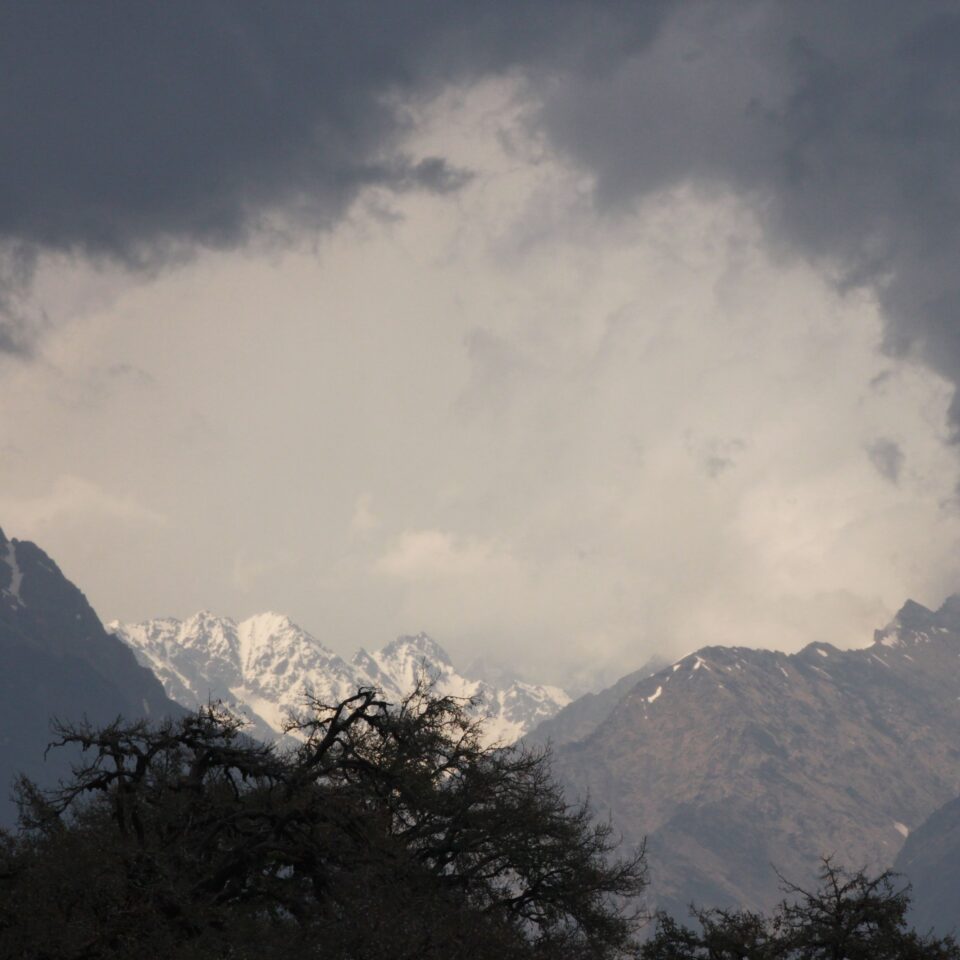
[{"x": 570, "y": 333}]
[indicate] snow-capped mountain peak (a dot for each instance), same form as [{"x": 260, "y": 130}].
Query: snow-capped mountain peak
[
  {"x": 265, "y": 666},
  {"x": 408, "y": 658}
]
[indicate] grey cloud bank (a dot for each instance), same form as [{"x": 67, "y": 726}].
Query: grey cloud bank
[
  {"x": 839, "y": 119},
  {"x": 139, "y": 130}
]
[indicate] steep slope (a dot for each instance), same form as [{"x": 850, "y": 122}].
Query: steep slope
[
  {"x": 930, "y": 861},
  {"x": 579, "y": 718},
  {"x": 264, "y": 665},
  {"x": 733, "y": 760},
  {"x": 56, "y": 659}
]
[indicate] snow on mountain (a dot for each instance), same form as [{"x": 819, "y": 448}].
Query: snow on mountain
[
  {"x": 263, "y": 667},
  {"x": 403, "y": 659}
]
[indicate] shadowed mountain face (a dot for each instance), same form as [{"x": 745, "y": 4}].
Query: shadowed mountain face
[
  {"x": 56, "y": 659},
  {"x": 930, "y": 861},
  {"x": 734, "y": 761}
]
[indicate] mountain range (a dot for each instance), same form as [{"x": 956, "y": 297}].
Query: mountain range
[
  {"x": 732, "y": 763},
  {"x": 264, "y": 665},
  {"x": 737, "y": 763}
]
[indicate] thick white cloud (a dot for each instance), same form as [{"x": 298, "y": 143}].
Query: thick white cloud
[{"x": 560, "y": 440}]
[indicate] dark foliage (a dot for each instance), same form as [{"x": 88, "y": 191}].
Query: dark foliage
[
  {"x": 390, "y": 832},
  {"x": 851, "y": 916}
]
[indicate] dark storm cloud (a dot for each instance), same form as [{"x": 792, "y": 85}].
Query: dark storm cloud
[
  {"x": 131, "y": 124},
  {"x": 137, "y": 131},
  {"x": 840, "y": 119}
]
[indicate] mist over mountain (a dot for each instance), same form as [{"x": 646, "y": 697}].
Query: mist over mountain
[
  {"x": 735, "y": 763},
  {"x": 263, "y": 666},
  {"x": 56, "y": 660}
]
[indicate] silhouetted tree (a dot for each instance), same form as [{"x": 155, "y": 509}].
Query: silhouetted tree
[
  {"x": 850, "y": 916},
  {"x": 390, "y": 831},
  {"x": 719, "y": 935}
]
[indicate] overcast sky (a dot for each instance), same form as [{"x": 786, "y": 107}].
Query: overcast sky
[{"x": 570, "y": 333}]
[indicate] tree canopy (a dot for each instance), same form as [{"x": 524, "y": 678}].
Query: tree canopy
[
  {"x": 390, "y": 831},
  {"x": 850, "y": 916}
]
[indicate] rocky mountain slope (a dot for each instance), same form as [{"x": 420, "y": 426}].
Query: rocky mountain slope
[
  {"x": 580, "y": 717},
  {"x": 734, "y": 761},
  {"x": 262, "y": 666},
  {"x": 56, "y": 659},
  {"x": 930, "y": 861}
]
